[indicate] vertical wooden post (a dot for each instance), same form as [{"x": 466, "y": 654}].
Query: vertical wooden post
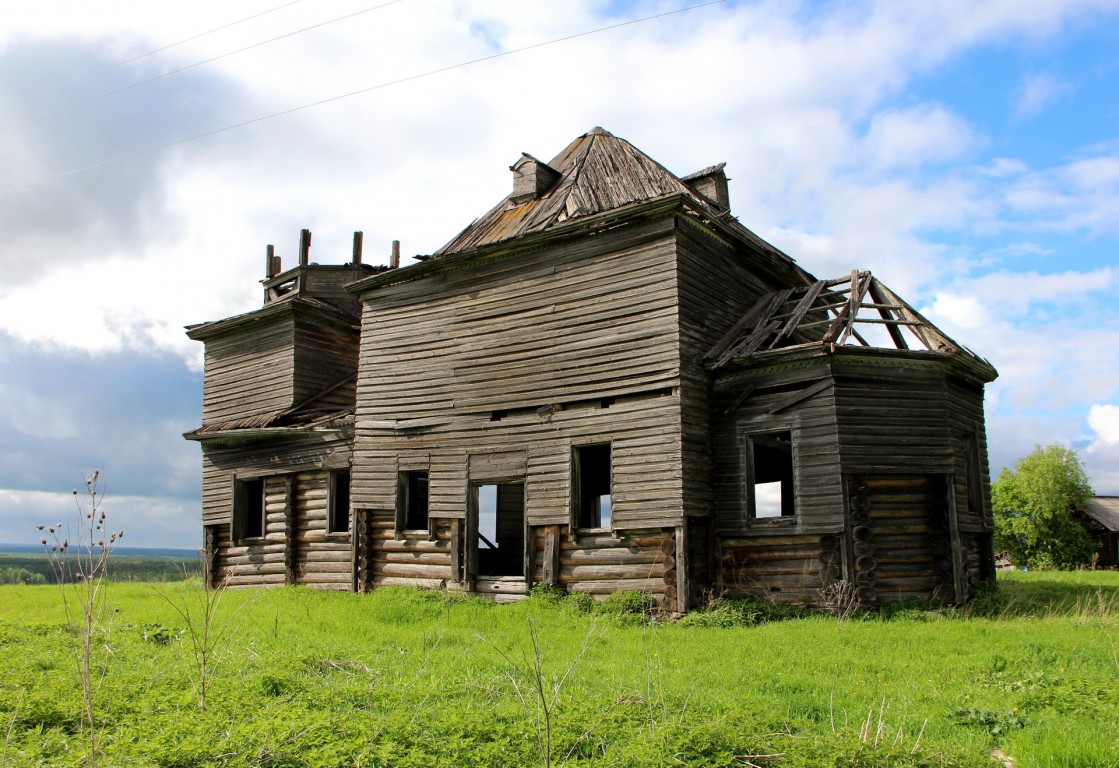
[
  {"x": 959, "y": 584},
  {"x": 304, "y": 246},
  {"x": 290, "y": 523},
  {"x": 361, "y": 549},
  {"x": 682, "y": 561},
  {"x": 717, "y": 564},
  {"x": 551, "y": 555},
  {"x": 270, "y": 261},
  {"x": 358, "y": 237},
  {"x": 470, "y": 551},
  {"x": 456, "y": 551},
  {"x": 394, "y": 259},
  {"x": 530, "y": 542}
]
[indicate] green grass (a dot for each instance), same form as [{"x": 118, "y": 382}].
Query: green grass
[{"x": 409, "y": 678}]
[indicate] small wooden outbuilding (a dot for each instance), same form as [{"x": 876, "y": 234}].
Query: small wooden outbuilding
[
  {"x": 606, "y": 382},
  {"x": 1101, "y": 520}
]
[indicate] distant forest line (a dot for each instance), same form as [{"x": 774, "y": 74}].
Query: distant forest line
[{"x": 31, "y": 568}]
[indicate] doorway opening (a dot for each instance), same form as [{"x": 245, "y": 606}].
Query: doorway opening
[{"x": 500, "y": 540}]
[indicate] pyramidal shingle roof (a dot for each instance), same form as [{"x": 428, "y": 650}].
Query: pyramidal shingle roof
[{"x": 597, "y": 172}]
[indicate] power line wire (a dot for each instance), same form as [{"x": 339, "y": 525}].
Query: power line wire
[
  {"x": 196, "y": 64},
  {"x": 339, "y": 97},
  {"x": 119, "y": 64}
]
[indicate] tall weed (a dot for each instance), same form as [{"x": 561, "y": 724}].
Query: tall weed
[{"x": 80, "y": 567}]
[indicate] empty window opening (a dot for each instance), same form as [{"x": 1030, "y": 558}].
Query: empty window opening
[
  {"x": 338, "y": 517},
  {"x": 248, "y": 509},
  {"x": 592, "y": 486},
  {"x": 413, "y": 501},
  {"x": 501, "y": 529},
  {"x": 771, "y": 475}
]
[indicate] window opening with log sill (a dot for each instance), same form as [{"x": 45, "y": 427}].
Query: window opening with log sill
[
  {"x": 770, "y": 490},
  {"x": 500, "y": 528},
  {"x": 248, "y": 509},
  {"x": 412, "y": 501},
  {"x": 592, "y": 496},
  {"x": 338, "y": 502}
]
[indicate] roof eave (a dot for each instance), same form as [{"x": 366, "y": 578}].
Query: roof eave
[
  {"x": 645, "y": 209},
  {"x": 264, "y": 433},
  {"x": 961, "y": 361},
  {"x": 268, "y": 313}
]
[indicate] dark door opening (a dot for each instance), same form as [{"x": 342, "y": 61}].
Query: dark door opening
[{"x": 500, "y": 541}]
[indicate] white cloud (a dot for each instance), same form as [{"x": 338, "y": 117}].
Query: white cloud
[
  {"x": 146, "y": 521},
  {"x": 961, "y": 311},
  {"x": 1102, "y": 457},
  {"x": 1104, "y": 420},
  {"x": 1040, "y": 91},
  {"x": 917, "y": 136}
]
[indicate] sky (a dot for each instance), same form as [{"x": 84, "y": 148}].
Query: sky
[{"x": 965, "y": 152}]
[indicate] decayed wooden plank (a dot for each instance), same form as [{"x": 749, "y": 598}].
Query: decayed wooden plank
[
  {"x": 804, "y": 394},
  {"x": 799, "y": 312}
]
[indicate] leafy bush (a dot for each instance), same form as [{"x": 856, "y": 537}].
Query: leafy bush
[{"x": 1034, "y": 506}]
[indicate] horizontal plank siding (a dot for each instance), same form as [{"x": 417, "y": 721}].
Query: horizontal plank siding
[
  {"x": 249, "y": 373},
  {"x": 531, "y": 354},
  {"x": 812, "y": 423},
  {"x": 893, "y": 419}
]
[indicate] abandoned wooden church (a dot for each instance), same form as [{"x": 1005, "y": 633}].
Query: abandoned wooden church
[{"x": 604, "y": 383}]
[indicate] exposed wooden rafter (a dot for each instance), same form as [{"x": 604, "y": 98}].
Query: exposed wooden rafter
[{"x": 830, "y": 313}]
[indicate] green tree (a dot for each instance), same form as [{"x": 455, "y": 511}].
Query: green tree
[{"x": 1034, "y": 505}]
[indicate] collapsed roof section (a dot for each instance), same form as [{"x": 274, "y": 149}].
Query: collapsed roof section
[{"x": 857, "y": 312}]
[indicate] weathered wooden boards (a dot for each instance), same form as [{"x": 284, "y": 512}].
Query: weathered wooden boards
[
  {"x": 295, "y": 548},
  {"x": 528, "y": 356}
]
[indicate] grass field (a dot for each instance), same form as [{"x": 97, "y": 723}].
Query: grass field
[{"x": 410, "y": 678}]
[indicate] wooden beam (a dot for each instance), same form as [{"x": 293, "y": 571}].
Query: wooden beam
[
  {"x": 887, "y": 313},
  {"x": 758, "y": 313},
  {"x": 798, "y": 314},
  {"x": 803, "y": 394}
]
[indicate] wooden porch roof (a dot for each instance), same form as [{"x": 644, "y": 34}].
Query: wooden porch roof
[
  {"x": 835, "y": 313},
  {"x": 313, "y": 414}
]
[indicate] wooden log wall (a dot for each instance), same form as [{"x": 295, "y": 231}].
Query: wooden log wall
[
  {"x": 642, "y": 560},
  {"x": 412, "y": 560},
  {"x": 969, "y": 434},
  {"x": 326, "y": 352},
  {"x": 769, "y": 400},
  {"x": 319, "y": 559},
  {"x": 902, "y": 538},
  {"x": 892, "y": 417},
  {"x": 296, "y": 549},
  {"x": 787, "y": 568},
  {"x": 528, "y": 355},
  {"x": 328, "y": 282},
  {"x": 257, "y": 562},
  {"x": 223, "y": 459}
]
